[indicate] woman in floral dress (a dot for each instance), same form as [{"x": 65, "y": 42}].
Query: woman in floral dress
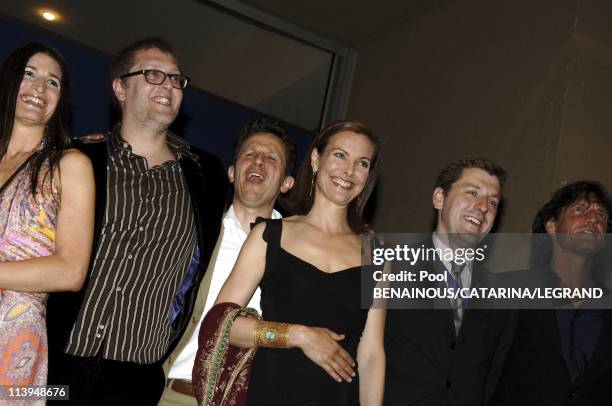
[{"x": 46, "y": 207}]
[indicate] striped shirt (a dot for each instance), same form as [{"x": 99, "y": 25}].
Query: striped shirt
[{"x": 147, "y": 240}]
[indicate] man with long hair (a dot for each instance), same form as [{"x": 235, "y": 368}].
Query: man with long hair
[{"x": 562, "y": 354}]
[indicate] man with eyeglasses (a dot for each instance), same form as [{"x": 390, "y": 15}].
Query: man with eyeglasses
[{"x": 159, "y": 205}]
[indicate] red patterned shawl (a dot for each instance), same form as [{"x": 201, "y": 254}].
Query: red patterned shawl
[{"x": 221, "y": 371}]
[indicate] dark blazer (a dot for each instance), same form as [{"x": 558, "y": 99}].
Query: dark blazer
[
  {"x": 535, "y": 373},
  {"x": 429, "y": 365},
  {"x": 207, "y": 185}
]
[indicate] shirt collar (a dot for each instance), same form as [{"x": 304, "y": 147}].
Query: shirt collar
[
  {"x": 439, "y": 244},
  {"x": 115, "y": 142},
  {"x": 177, "y": 145},
  {"x": 230, "y": 215}
]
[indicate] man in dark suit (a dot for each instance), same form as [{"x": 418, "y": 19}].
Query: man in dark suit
[
  {"x": 563, "y": 355},
  {"x": 159, "y": 204},
  {"x": 438, "y": 357}
]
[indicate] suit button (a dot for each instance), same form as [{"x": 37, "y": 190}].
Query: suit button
[
  {"x": 448, "y": 383},
  {"x": 452, "y": 345}
]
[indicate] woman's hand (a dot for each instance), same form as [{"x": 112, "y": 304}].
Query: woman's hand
[{"x": 322, "y": 347}]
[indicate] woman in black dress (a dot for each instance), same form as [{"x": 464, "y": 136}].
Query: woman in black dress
[{"x": 317, "y": 346}]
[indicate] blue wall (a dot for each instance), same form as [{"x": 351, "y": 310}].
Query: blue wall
[{"x": 206, "y": 121}]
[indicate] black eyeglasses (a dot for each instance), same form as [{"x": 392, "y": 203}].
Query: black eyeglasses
[{"x": 157, "y": 77}]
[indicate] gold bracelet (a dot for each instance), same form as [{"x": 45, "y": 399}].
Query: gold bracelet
[{"x": 271, "y": 334}]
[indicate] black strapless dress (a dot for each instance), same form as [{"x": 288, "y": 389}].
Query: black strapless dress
[{"x": 295, "y": 291}]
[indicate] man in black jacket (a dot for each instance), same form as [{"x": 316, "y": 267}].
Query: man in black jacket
[
  {"x": 562, "y": 355},
  {"x": 159, "y": 205},
  {"x": 451, "y": 356}
]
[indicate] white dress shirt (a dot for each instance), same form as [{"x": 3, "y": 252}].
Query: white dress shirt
[{"x": 233, "y": 238}]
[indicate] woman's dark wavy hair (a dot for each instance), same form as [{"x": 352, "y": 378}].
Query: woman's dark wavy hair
[
  {"x": 56, "y": 137},
  {"x": 541, "y": 244},
  {"x": 300, "y": 199}
]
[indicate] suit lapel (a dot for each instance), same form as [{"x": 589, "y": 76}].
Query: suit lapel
[
  {"x": 603, "y": 349},
  {"x": 549, "y": 326},
  {"x": 604, "y": 342},
  {"x": 442, "y": 304},
  {"x": 196, "y": 182},
  {"x": 470, "y": 316},
  {"x": 434, "y": 321},
  {"x": 479, "y": 274},
  {"x": 198, "y": 308}
]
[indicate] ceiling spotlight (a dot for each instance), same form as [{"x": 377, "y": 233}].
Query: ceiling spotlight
[{"x": 49, "y": 15}]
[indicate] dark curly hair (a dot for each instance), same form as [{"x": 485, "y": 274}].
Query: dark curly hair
[
  {"x": 263, "y": 125},
  {"x": 449, "y": 175},
  {"x": 541, "y": 245},
  {"x": 584, "y": 189},
  {"x": 56, "y": 138}
]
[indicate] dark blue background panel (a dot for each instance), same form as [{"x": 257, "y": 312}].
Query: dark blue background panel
[{"x": 205, "y": 120}]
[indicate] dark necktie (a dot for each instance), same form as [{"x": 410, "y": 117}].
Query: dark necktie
[{"x": 456, "y": 271}]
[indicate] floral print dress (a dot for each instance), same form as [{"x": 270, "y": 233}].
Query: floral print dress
[{"x": 27, "y": 230}]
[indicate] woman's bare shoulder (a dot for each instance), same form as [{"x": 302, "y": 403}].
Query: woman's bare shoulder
[
  {"x": 293, "y": 223},
  {"x": 74, "y": 159},
  {"x": 293, "y": 219}
]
